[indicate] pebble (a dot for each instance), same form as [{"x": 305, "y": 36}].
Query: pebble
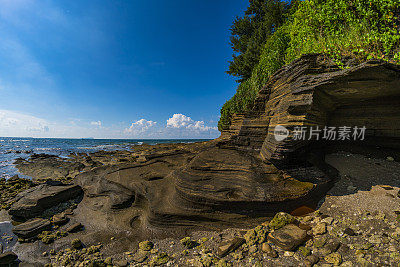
[
  {"x": 319, "y": 229},
  {"x": 288, "y": 254},
  {"x": 390, "y": 159},
  {"x": 269, "y": 250},
  {"x": 333, "y": 258},
  {"x": 349, "y": 231},
  {"x": 328, "y": 220},
  {"x": 311, "y": 260}
]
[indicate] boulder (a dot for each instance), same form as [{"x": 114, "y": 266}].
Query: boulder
[
  {"x": 288, "y": 237},
  {"x": 31, "y": 228},
  {"x": 33, "y": 202}
]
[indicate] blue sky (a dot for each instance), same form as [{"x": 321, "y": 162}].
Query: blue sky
[{"x": 115, "y": 69}]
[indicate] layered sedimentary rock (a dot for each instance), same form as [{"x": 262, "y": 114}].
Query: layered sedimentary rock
[
  {"x": 314, "y": 92},
  {"x": 33, "y": 202},
  {"x": 247, "y": 172}
]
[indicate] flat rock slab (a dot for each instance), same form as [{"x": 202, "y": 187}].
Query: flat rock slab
[
  {"x": 288, "y": 237},
  {"x": 34, "y": 201},
  {"x": 32, "y": 228}
]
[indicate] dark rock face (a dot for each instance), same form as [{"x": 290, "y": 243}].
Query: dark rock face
[
  {"x": 31, "y": 228},
  {"x": 33, "y": 202}
]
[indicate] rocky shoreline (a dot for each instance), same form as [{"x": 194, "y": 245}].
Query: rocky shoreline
[
  {"x": 244, "y": 199},
  {"x": 346, "y": 230}
]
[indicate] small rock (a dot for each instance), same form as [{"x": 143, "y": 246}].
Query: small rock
[
  {"x": 253, "y": 249},
  {"x": 288, "y": 237},
  {"x": 328, "y": 220},
  {"x": 304, "y": 251},
  {"x": 8, "y": 258},
  {"x": 307, "y": 218},
  {"x": 76, "y": 243},
  {"x": 305, "y": 226},
  {"x": 108, "y": 261},
  {"x": 390, "y": 159},
  {"x": 349, "y": 231},
  {"x": 256, "y": 235},
  {"x": 76, "y": 227},
  {"x": 121, "y": 263},
  {"x": 161, "y": 259},
  {"x": 146, "y": 245},
  {"x": 44, "y": 254},
  {"x": 319, "y": 229},
  {"x": 140, "y": 256},
  {"x": 288, "y": 254},
  {"x": 375, "y": 239},
  {"x": 269, "y": 250},
  {"x": 280, "y": 220},
  {"x": 188, "y": 243},
  {"x": 311, "y": 260},
  {"x": 59, "y": 219},
  {"x": 232, "y": 245},
  {"x": 332, "y": 246},
  {"x": 334, "y": 258},
  {"x": 319, "y": 242},
  {"x": 223, "y": 263},
  {"x": 347, "y": 264}
]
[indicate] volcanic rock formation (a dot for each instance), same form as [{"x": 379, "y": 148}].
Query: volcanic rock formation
[{"x": 246, "y": 172}]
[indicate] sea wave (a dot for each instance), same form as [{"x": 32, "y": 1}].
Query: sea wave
[{"x": 47, "y": 148}]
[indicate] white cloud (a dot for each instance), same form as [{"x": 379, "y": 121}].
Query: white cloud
[
  {"x": 140, "y": 126},
  {"x": 96, "y": 123},
  {"x": 179, "y": 121},
  {"x": 182, "y": 121},
  {"x": 15, "y": 124}
]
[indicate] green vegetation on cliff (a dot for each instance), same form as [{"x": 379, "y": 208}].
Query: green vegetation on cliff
[{"x": 273, "y": 33}]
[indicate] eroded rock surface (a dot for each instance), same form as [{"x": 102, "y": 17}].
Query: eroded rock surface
[
  {"x": 33, "y": 202},
  {"x": 245, "y": 174},
  {"x": 31, "y": 228}
]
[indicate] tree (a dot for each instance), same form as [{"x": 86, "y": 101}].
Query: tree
[{"x": 250, "y": 32}]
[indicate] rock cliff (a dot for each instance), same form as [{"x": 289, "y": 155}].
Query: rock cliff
[{"x": 246, "y": 173}]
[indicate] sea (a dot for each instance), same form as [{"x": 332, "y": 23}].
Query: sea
[{"x": 12, "y": 148}]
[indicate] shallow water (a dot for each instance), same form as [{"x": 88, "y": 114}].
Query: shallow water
[
  {"x": 12, "y": 148},
  {"x": 7, "y": 238}
]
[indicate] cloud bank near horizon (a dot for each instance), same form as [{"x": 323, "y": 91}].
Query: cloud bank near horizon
[{"x": 16, "y": 124}]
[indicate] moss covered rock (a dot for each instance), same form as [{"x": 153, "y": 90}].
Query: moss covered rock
[
  {"x": 146, "y": 245},
  {"x": 281, "y": 219}
]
